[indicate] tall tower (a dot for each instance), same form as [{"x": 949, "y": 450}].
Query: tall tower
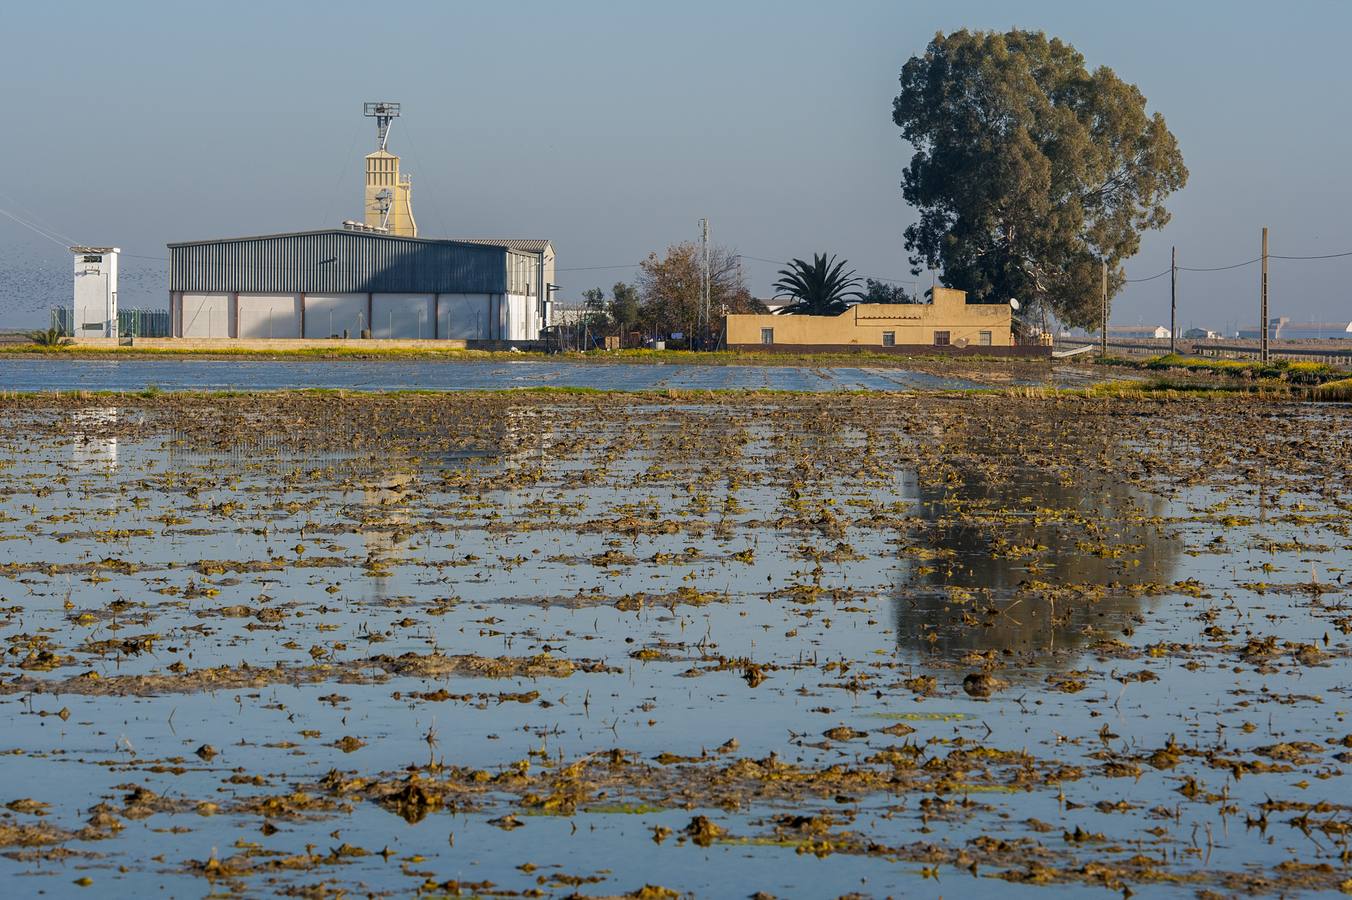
[
  {"x": 389, "y": 195},
  {"x": 95, "y": 296}
]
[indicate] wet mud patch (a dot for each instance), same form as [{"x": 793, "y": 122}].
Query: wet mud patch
[{"x": 547, "y": 644}]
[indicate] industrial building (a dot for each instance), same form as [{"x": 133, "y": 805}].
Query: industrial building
[
  {"x": 353, "y": 282},
  {"x": 372, "y": 278},
  {"x": 1137, "y": 333},
  {"x": 949, "y": 321},
  {"x": 1283, "y": 329}
]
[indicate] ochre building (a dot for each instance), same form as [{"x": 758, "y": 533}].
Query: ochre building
[{"x": 948, "y": 321}]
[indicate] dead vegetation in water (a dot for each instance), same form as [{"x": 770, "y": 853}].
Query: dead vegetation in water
[
  {"x": 373, "y": 669},
  {"x": 978, "y": 614}
]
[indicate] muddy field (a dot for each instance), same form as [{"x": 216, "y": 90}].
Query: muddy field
[{"x": 553, "y": 645}]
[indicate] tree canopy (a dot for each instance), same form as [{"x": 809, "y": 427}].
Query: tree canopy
[
  {"x": 818, "y": 288},
  {"x": 1029, "y": 170},
  {"x": 670, "y": 287},
  {"x": 882, "y": 292}
]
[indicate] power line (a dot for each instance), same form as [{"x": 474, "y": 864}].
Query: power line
[
  {"x": 1321, "y": 256},
  {"x": 1241, "y": 265},
  {"x": 32, "y": 219},
  {"x": 1149, "y": 278},
  {"x": 780, "y": 262},
  {"x": 36, "y": 230},
  {"x": 417, "y": 164}
]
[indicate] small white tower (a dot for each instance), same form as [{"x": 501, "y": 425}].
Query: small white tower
[{"x": 95, "y": 291}]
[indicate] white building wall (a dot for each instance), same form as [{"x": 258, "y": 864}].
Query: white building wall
[
  {"x": 268, "y": 316},
  {"x": 517, "y": 318},
  {"x": 327, "y": 315},
  {"x": 465, "y": 317},
  {"x": 403, "y": 316},
  {"x": 205, "y": 315},
  {"x": 95, "y": 293}
]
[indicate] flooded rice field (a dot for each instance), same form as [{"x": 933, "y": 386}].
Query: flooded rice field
[
  {"x": 544, "y": 646},
  {"x": 64, "y": 374}
]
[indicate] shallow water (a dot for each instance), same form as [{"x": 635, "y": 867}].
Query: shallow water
[
  {"x": 36, "y": 374},
  {"x": 761, "y": 573}
]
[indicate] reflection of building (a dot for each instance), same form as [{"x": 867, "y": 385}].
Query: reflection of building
[
  {"x": 92, "y": 447},
  {"x": 949, "y": 321}
]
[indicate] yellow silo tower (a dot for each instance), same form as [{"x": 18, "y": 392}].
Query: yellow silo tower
[{"x": 389, "y": 195}]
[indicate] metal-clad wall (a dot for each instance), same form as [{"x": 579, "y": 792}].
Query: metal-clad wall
[{"x": 336, "y": 262}]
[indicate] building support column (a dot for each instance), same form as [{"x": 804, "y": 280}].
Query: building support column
[
  {"x": 234, "y": 301},
  {"x": 302, "y": 313},
  {"x": 436, "y": 317},
  {"x": 370, "y": 313}
]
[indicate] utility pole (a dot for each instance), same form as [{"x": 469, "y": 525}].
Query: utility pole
[
  {"x": 1263, "y": 313},
  {"x": 1173, "y": 300},
  {"x": 704, "y": 278},
  {"x": 1103, "y": 336}
]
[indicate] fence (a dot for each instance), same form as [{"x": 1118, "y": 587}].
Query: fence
[
  {"x": 130, "y": 322},
  {"x": 1159, "y": 346},
  {"x": 1332, "y": 355}
]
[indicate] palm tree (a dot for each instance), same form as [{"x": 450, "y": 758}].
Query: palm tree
[
  {"x": 52, "y": 337},
  {"x": 818, "y": 288}
]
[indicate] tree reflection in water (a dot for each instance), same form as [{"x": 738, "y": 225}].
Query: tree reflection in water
[{"x": 989, "y": 552}]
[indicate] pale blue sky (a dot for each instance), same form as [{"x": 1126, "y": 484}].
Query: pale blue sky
[{"x": 611, "y": 127}]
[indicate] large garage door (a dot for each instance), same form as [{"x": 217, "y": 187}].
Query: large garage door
[
  {"x": 329, "y": 315},
  {"x": 464, "y": 317},
  {"x": 205, "y": 315},
  {"x": 269, "y": 316},
  {"x": 403, "y": 316},
  {"x": 518, "y": 318}
]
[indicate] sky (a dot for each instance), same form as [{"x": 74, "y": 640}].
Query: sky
[{"x": 611, "y": 128}]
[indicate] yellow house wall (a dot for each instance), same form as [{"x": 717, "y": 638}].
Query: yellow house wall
[{"x": 865, "y": 323}]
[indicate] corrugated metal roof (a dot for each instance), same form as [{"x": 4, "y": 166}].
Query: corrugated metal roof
[
  {"x": 296, "y": 234},
  {"x": 337, "y": 261},
  {"x": 524, "y": 244}
]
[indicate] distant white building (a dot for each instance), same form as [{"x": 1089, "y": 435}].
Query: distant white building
[
  {"x": 1324, "y": 331},
  {"x": 1283, "y": 329},
  {"x": 1137, "y": 332}
]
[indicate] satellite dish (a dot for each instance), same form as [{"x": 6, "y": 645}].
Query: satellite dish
[
  {"x": 961, "y": 342},
  {"x": 1014, "y": 304}
]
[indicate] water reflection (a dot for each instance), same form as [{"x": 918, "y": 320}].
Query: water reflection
[
  {"x": 92, "y": 446},
  {"x": 995, "y": 544}
]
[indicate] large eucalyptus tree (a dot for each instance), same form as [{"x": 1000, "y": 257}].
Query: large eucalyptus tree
[{"x": 1029, "y": 169}]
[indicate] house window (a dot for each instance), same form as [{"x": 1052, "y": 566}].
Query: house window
[
  {"x": 983, "y": 338},
  {"x": 767, "y": 335},
  {"x": 889, "y": 338},
  {"x": 941, "y": 338}
]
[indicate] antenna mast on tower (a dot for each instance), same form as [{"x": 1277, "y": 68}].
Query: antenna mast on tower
[
  {"x": 389, "y": 195},
  {"x": 384, "y": 112}
]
